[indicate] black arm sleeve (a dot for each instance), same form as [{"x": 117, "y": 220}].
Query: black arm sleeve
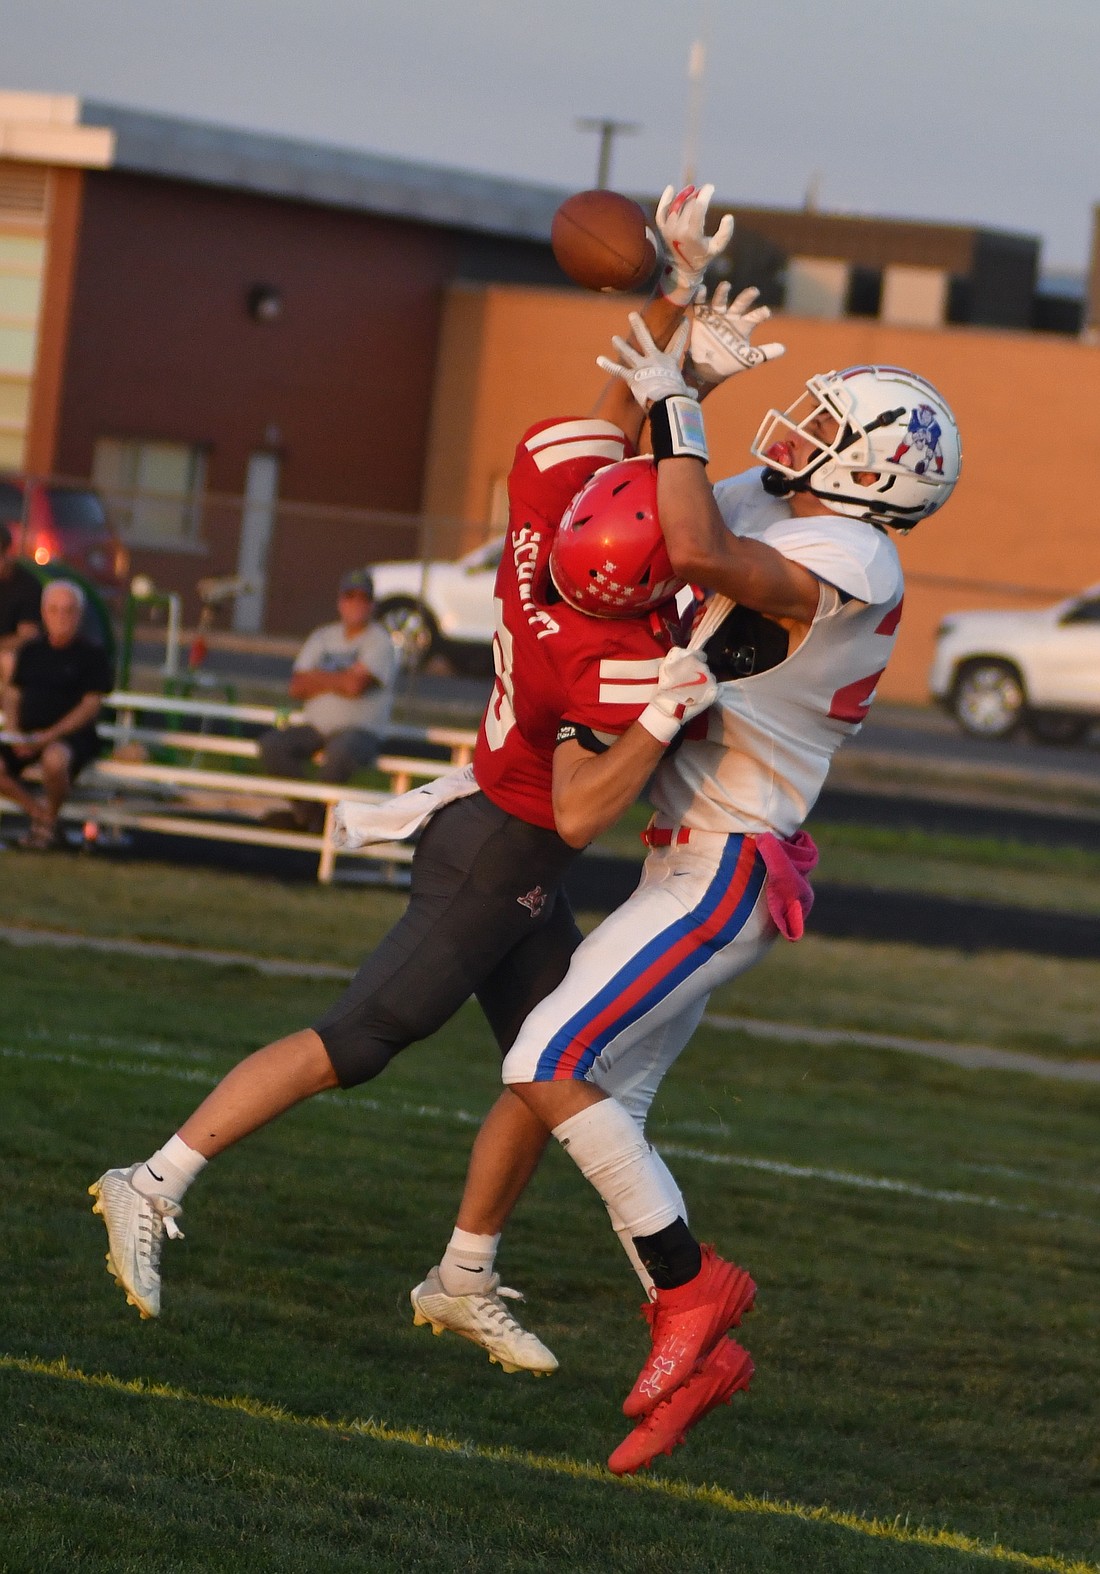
[{"x": 578, "y": 733}]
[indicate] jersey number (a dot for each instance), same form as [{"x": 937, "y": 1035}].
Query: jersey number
[
  {"x": 853, "y": 701},
  {"x": 500, "y": 717}
]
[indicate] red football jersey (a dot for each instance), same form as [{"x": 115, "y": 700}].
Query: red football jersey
[{"x": 552, "y": 662}]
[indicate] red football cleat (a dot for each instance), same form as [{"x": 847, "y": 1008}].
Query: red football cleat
[
  {"x": 724, "y": 1372},
  {"x": 686, "y": 1323}
]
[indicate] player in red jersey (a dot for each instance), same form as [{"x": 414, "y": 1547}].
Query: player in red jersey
[
  {"x": 595, "y": 666},
  {"x": 486, "y": 915}
]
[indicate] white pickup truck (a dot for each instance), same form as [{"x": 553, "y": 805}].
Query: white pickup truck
[
  {"x": 996, "y": 671},
  {"x": 424, "y": 605}
]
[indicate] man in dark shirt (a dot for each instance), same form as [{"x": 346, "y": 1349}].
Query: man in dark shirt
[
  {"x": 20, "y": 594},
  {"x": 51, "y": 705}
]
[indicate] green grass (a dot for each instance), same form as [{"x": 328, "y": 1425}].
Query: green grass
[
  {"x": 1063, "y": 879},
  {"x": 1002, "y": 998},
  {"x": 1010, "y": 1000},
  {"x": 926, "y": 1357},
  {"x": 199, "y": 907},
  {"x": 987, "y": 869}
]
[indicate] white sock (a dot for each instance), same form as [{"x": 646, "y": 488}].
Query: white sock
[
  {"x": 169, "y": 1171},
  {"x": 675, "y": 1199},
  {"x": 468, "y": 1262},
  {"x": 607, "y": 1147}
]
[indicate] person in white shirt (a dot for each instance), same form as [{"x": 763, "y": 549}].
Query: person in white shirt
[
  {"x": 813, "y": 590},
  {"x": 344, "y": 676}
]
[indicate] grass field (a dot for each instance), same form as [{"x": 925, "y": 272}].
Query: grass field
[
  {"x": 925, "y": 1240},
  {"x": 990, "y": 869}
]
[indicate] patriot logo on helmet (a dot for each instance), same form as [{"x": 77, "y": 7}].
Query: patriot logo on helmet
[{"x": 923, "y": 437}]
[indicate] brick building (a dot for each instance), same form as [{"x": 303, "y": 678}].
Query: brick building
[{"x": 262, "y": 350}]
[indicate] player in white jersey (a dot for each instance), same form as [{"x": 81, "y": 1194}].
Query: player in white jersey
[
  {"x": 759, "y": 762},
  {"x": 800, "y": 546}
]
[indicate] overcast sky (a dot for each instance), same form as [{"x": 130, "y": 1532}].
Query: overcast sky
[{"x": 980, "y": 111}]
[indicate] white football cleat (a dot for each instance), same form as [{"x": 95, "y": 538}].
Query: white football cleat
[
  {"x": 485, "y": 1320},
  {"x": 136, "y": 1227}
]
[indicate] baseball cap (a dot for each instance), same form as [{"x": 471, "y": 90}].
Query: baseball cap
[{"x": 358, "y": 579}]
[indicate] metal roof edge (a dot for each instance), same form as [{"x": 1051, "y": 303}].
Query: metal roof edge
[{"x": 182, "y": 149}]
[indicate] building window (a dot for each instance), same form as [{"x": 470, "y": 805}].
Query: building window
[
  {"x": 816, "y": 287},
  {"x": 864, "y": 292},
  {"x": 22, "y": 264},
  {"x": 960, "y": 298},
  {"x": 153, "y": 490},
  {"x": 914, "y": 297}
]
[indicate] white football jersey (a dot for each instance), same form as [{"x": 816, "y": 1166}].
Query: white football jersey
[{"x": 763, "y": 748}]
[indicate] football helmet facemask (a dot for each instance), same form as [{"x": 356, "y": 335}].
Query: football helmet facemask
[
  {"x": 888, "y": 422},
  {"x": 608, "y": 558}
]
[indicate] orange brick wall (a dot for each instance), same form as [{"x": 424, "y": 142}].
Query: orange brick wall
[{"x": 1025, "y": 517}]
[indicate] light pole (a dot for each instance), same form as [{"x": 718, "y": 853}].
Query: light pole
[
  {"x": 608, "y": 130},
  {"x": 696, "y": 75}
]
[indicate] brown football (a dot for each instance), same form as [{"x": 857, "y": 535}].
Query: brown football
[{"x": 599, "y": 240}]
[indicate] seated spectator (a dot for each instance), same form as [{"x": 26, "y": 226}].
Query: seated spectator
[
  {"x": 344, "y": 676},
  {"x": 57, "y": 687},
  {"x": 20, "y": 595}
]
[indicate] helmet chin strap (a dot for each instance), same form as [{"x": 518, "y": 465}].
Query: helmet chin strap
[{"x": 776, "y": 484}]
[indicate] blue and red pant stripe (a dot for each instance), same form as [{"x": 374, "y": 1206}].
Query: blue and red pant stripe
[{"x": 660, "y": 966}]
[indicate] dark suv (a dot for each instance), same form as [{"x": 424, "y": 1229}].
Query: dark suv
[{"x": 54, "y": 524}]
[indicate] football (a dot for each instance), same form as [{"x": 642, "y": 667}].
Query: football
[{"x": 599, "y": 239}]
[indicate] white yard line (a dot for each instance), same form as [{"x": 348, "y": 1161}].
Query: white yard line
[
  {"x": 462, "y": 1117},
  {"x": 60, "y": 939},
  {"x": 971, "y": 1057}
]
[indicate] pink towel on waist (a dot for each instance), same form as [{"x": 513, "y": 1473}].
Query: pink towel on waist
[{"x": 788, "y": 860}]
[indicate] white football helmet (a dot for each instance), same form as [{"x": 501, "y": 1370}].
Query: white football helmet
[{"x": 880, "y": 420}]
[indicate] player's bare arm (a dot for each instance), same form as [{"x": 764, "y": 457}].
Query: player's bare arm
[
  {"x": 702, "y": 549},
  {"x": 592, "y": 791},
  {"x": 592, "y": 788},
  {"x": 699, "y": 545},
  {"x": 688, "y": 251}
]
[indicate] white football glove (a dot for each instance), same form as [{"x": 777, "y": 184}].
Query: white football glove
[
  {"x": 651, "y": 373},
  {"x": 685, "y": 686},
  {"x": 681, "y": 221},
  {"x": 720, "y": 334}
]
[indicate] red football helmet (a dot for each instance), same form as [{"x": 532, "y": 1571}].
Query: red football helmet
[{"x": 609, "y": 557}]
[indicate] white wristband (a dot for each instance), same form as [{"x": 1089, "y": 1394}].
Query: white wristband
[{"x": 660, "y": 726}]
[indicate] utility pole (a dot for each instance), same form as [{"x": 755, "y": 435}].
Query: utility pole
[
  {"x": 608, "y": 130},
  {"x": 697, "y": 67},
  {"x": 697, "y": 62}
]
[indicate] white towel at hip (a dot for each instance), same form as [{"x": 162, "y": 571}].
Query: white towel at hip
[{"x": 396, "y": 819}]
